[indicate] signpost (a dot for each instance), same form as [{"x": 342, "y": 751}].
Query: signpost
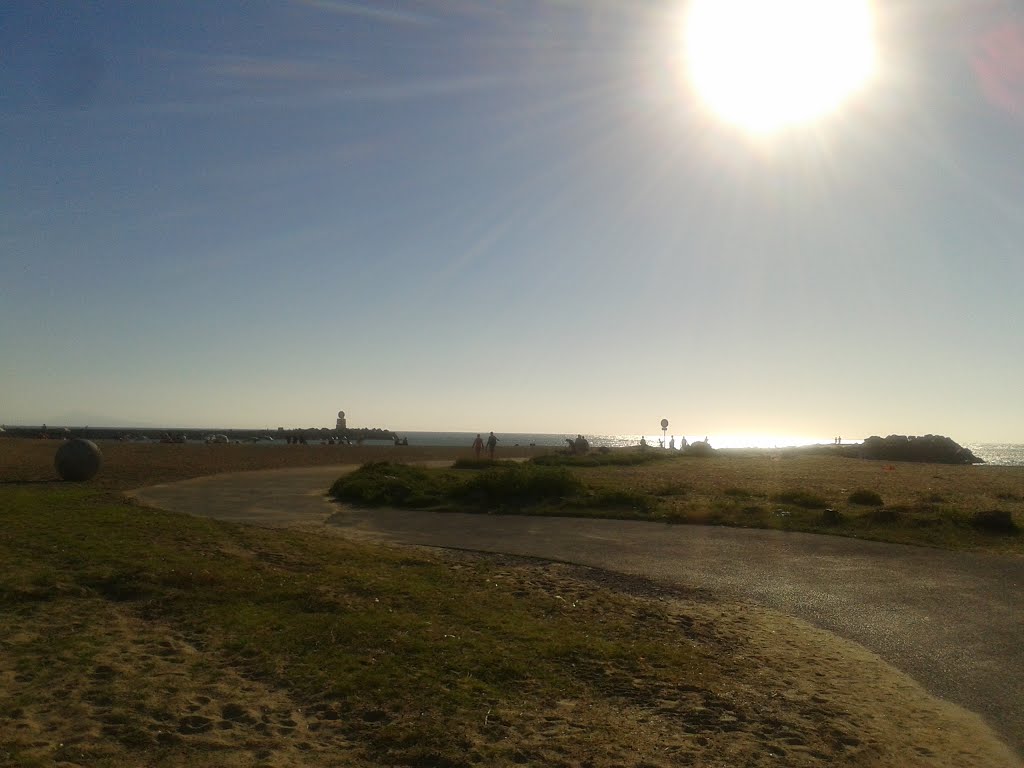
[{"x": 664, "y": 430}]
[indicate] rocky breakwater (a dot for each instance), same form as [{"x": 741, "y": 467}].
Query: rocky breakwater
[{"x": 935, "y": 449}]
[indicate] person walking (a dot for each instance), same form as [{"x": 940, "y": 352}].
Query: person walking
[
  {"x": 492, "y": 443},
  {"x": 478, "y": 445}
]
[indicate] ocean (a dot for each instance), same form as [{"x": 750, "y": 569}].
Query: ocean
[{"x": 999, "y": 454}]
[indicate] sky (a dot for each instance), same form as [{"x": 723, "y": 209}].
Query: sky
[{"x": 514, "y": 216}]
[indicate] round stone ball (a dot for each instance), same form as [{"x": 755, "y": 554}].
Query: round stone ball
[{"x": 78, "y": 460}]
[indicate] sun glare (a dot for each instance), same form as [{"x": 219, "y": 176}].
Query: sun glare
[{"x": 764, "y": 65}]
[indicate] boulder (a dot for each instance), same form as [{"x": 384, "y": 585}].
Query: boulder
[
  {"x": 929, "y": 448},
  {"x": 78, "y": 460}
]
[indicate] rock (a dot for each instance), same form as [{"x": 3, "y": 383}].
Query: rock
[
  {"x": 78, "y": 460},
  {"x": 930, "y": 448}
]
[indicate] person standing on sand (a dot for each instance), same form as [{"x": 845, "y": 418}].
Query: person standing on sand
[
  {"x": 478, "y": 445},
  {"x": 492, "y": 443}
]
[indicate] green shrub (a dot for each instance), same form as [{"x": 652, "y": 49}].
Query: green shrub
[
  {"x": 518, "y": 485},
  {"x": 800, "y": 498},
  {"x": 382, "y": 483},
  {"x": 866, "y": 498}
]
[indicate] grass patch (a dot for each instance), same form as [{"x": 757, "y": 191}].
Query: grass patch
[
  {"x": 518, "y": 486},
  {"x": 463, "y": 463},
  {"x": 998, "y": 521},
  {"x": 800, "y": 498},
  {"x": 622, "y": 458},
  {"x": 866, "y": 498},
  {"x": 154, "y": 625},
  {"x": 620, "y": 499},
  {"x": 919, "y": 504},
  {"x": 738, "y": 493},
  {"x": 383, "y": 483}
]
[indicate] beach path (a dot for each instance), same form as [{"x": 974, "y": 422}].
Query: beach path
[{"x": 953, "y": 621}]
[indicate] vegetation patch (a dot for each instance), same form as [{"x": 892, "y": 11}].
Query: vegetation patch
[
  {"x": 383, "y": 483},
  {"x": 884, "y": 515},
  {"x": 738, "y": 493},
  {"x": 866, "y": 498},
  {"x": 187, "y": 641},
  {"x": 995, "y": 521},
  {"x": 464, "y": 463},
  {"x": 624, "y": 458},
  {"x": 518, "y": 485},
  {"x": 673, "y": 489},
  {"x": 620, "y": 499},
  {"x": 800, "y": 498}
]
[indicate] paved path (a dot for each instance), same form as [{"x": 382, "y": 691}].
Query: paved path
[{"x": 953, "y": 621}]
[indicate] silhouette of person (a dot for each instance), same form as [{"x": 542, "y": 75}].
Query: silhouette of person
[
  {"x": 492, "y": 443},
  {"x": 643, "y": 441},
  {"x": 478, "y": 445},
  {"x": 672, "y": 443}
]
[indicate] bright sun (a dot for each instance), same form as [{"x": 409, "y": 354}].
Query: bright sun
[{"x": 764, "y": 65}]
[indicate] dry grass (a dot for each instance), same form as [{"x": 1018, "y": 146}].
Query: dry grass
[
  {"x": 132, "y": 465},
  {"x": 928, "y": 504}
]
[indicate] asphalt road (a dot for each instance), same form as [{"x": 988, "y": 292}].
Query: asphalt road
[{"x": 953, "y": 621}]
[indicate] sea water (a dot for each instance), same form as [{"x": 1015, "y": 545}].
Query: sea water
[{"x": 999, "y": 454}]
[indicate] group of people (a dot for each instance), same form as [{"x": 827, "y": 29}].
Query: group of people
[
  {"x": 671, "y": 442},
  {"x": 491, "y": 444}
]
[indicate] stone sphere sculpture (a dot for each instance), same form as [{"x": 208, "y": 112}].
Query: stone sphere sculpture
[{"x": 78, "y": 460}]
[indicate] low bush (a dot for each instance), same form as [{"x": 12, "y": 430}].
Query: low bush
[
  {"x": 800, "y": 498},
  {"x": 995, "y": 521},
  {"x": 382, "y": 483},
  {"x": 518, "y": 485},
  {"x": 866, "y": 498}
]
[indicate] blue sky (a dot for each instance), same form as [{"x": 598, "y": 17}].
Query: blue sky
[{"x": 463, "y": 215}]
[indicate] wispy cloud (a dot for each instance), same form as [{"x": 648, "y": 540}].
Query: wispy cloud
[{"x": 377, "y": 11}]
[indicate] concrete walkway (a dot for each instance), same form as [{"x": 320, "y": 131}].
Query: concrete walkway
[{"x": 953, "y": 621}]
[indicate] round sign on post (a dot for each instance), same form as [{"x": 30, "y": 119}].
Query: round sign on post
[{"x": 664, "y": 424}]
